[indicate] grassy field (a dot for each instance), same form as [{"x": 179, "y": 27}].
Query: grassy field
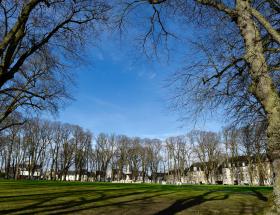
[{"x": 45, "y": 197}]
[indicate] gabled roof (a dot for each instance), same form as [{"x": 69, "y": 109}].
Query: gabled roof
[{"x": 233, "y": 161}]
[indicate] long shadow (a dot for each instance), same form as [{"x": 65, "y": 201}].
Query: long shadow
[
  {"x": 260, "y": 195},
  {"x": 39, "y": 195},
  {"x": 72, "y": 210},
  {"x": 44, "y": 202},
  {"x": 40, "y": 205},
  {"x": 183, "y": 204}
]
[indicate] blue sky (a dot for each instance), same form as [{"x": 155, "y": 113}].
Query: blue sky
[{"x": 119, "y": 90}]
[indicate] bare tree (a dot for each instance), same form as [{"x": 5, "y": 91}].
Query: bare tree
[
  {"x": 143, "y": 153},
  {"x": 82, "y": 141},
  {"x": 121, "y": 155},
  {"x": 154, "y": 147},
  {"x": 254, "y": 147},
  {"x": 231, "y": 143},
  {"x": 54, "y": 149},
  {"x": 133, "y": 157},
  {"x": 11, "y": 149},
  {"x": 46, "y": 135},
  {"x": 206, "y": 147},
  {"x": 230, "y": 140},
  {"x": 238, "y": 69},
  {"x": 35, "y": 145},
  {"x": 32, "y": 74},
  {"x": 66, "y": 151},
  {"x": 179, "y": 152},
  {"x": 104, "y": 151}
]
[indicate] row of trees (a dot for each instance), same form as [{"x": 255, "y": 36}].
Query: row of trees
[
  {"x": 45, "y": 145},
  {"x": 55, "y": 149},
  {"x": 232, "y": 147},
  {"x": 238, "y": 69}
]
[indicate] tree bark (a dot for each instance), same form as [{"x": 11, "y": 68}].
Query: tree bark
[{"x": 262, "y": 87}]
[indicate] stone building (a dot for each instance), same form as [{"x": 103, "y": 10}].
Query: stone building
[{"x": 241, "y": 170}]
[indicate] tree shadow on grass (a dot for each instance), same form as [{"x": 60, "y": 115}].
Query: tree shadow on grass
[
  {"x": 259, "y": 195},
  {"x": 118, "y": 204},
  {"x": 81, "y": 201},
  {"x": 46, "y": 194},
  {"x": 106, "y": 199},
  {"x": 183, "y": 204}
]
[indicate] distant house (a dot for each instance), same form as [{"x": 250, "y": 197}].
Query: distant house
[
  {"x": 70, "y": 176},
  {"x": 239, "y": 170},
  {"x": 73, "y": 176},
  {"x": 24, "y": 171},
  {"x": 26, "y": 174},
  {"x": 196, "y": 174},
  {"x": 130, "y": 176}
]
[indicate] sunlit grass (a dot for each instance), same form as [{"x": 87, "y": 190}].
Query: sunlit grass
[{"x": 47, "y": 197}]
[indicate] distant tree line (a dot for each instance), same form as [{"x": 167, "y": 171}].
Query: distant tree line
[
  {"x": 57, "y": 148},
  {"x": 237, "y": 63}
]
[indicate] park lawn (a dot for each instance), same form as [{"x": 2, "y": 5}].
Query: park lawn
[{"x": 47, "y": 197}]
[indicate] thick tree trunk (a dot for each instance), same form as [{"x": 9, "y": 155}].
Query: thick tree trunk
[
  {"x": 262, "y": 87},
  {"x": 17, "y": 171},
  {"x": 276, "y": 188},
  {"x": 143, "y": 176}
]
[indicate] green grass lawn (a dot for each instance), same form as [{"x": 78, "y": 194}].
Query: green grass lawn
[{"x": 45, "y": 197}]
